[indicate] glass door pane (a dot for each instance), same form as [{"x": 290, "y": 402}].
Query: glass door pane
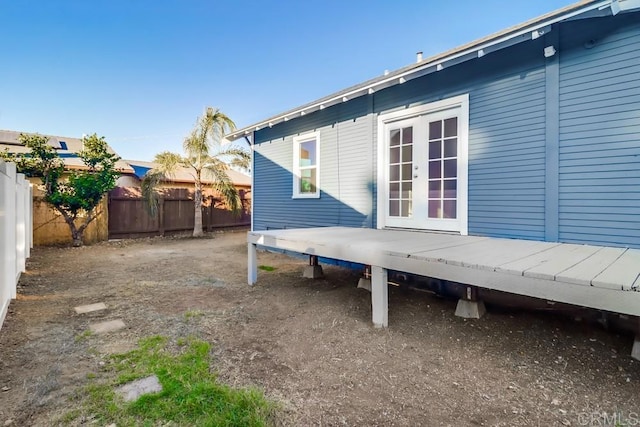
[
  {"x": 443, "y": 168},
  {"x": 400, "y": 172}
]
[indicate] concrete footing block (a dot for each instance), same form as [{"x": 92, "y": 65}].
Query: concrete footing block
[
  {"x": 364, "y": 284},
  {"x": 470, "y": 309},
  {"x": 635, "y": 351},
  {"x": 312, "y": 272}
]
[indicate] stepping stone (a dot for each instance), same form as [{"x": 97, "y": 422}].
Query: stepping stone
[
  {"x": 116, "y": 347},
  {"x": 104, "y": 327},
  {"x": 135, "y": 389},
  {"x": 82, "y": 309}
]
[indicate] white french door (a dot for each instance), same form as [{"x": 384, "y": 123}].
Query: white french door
[{"x": 424, "y": 168}]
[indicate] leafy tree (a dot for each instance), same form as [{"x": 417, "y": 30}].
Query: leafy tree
[
  {"x": 206, "y": 157},
  {"x": 77, "y": 195}
]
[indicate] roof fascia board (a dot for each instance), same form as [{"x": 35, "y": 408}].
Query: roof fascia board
[
  {"x": 436, "y": 63},
  {"x": 625, "y": 5}
]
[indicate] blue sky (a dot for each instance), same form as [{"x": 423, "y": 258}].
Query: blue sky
[{"x": 140, "y": 72}]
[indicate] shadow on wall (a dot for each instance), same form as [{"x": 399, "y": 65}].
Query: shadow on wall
[
  {"x": 49, "y": 228},
  {"x": 274, "y": 207}
]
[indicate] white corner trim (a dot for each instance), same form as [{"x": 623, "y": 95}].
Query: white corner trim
[
  {"x": 463, "y": 166},
  {"x": 253, "y": 175}
]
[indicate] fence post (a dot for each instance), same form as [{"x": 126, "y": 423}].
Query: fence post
[
  {"x": 11, "y": 259},
  {"x": 21, "y": 226},
  {"x": 212, "y": 204},
  {"x": 5, "y": 249},
  {"x": 161, "y": 215},
  {"x": 29, "y": 210},
  {"x": 8, "y": 226}
]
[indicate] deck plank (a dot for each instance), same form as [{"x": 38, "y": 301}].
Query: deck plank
[
  {"x": 568, "y": 256},
  {"x": 488, "y": 254},
  {"x": 454, "y": 255},
  {"x": 519, "y": 266},
  {"x": 585, "y": 271},
  {"x": 431, "y": 243},
  {"x": 622, "y": 274}
]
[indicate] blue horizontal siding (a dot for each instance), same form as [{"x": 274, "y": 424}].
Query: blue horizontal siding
[
  {"x": 599, "y": 180},
  {"x": 506, "y": 149},
  {"x": 506, "y": 156},
  {"x": 345, "y": 171}
]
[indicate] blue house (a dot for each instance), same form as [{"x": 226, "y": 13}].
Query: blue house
[{"x": 521, "y": 150}]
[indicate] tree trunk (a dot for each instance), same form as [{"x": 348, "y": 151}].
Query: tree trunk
[
  {"x": 77, "y": 238},
  {"x": 76, "y": 233},
  {"x": 197, "y": 201}
]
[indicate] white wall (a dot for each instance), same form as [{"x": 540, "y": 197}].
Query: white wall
[{"x": 16, "y": 231}]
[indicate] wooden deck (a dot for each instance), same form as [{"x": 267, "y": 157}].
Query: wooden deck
[{"x": 598, "y": 277}]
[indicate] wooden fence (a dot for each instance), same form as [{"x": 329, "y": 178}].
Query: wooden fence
[
  {"x": 129, "y": 218},
  {"x": 16, "y": 231}
]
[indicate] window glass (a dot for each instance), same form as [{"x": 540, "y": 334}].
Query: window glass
[
  {"x": 443, "y": 168},
  {"x": 451, "y": 127},
  {"x": 308, "y": 153},
  {"x": 394, "y": 138},
  {"x": 448, "y": 208},
  {"x": 306, "y": 167},
  {"x": 394, "y": 155},
  {"x": 451, "y": 147},
  {"x": 435, "y": 130},
  {"x": 307, "y": 181},
  {"x": 400, "y": 171}
]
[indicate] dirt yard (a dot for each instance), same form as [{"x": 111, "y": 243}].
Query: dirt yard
[{"x": 308, "y": 344}]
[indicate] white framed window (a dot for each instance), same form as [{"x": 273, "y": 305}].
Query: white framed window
[{"x": 306, "y": 166}]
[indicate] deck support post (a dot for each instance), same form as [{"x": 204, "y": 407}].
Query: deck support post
[
  {"x": 635, "y": 351},
  {"x": 365, "y": 281},
  {"x": 252, "y": 264},
  {"x": 469, "y": 307},
  {"x": 380, "y": 297},
  {"x": 313, "y": 270}
]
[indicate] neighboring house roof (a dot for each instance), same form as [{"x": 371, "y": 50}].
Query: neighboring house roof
[
  {"x": 529, "y": 30},
  {"x": 140, "y": 168},
  {"x": 66, "y": 147}
]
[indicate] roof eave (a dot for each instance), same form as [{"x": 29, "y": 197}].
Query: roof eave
[{"x": 529, "y": 30}]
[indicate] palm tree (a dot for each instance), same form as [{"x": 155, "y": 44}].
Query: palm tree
[{"x": 206, "y": 157}]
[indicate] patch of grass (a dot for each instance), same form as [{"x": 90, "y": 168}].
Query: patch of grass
[
  {"x": 192, "y": 314},
  {"x": 83, "y": 336},
  {"x": 191, "y": 394},
  {"x": 266, "y": 268},
  {"x": 68, "y": 417}
]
